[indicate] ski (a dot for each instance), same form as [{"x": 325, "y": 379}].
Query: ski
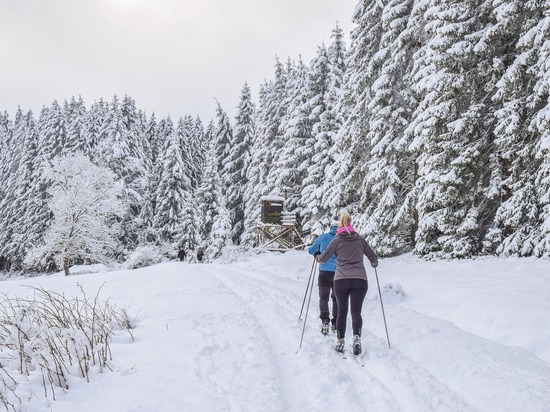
[
  {"x": 357, "y": 358},
  {"x": 340, "y": 354}
]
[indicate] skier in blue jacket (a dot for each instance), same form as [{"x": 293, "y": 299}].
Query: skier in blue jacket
[{"x": 326, "y": 279}]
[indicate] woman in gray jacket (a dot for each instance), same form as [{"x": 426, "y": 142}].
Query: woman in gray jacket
[{"x": 350, "y": 278}]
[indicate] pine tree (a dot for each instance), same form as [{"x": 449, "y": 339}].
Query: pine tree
[
  {"x": 209, "y": 195},
  {"x": 541, "y": 124},
  {"x": 121, "y": 149},
  {"x": 16, "y": 183},
  {"x": 517, "y": 222},
  {"x": 53, "y": 131},
  {"x": 345, "y": 177},
  {"x": 172, "y": 195},
  {"x": 238, "y": 161},
  {"x": 264, "y": 147},
  {"x": 75, "y": 113},
  {"x": 94, "y": 121},
  {"x": 316, "y": 217},
  {"x": 449, "y": 130},
  {"x": 30, "y": 199},
  {"x": 389, "y": 215}
]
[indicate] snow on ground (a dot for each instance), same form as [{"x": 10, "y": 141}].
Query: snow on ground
[{"x": 467, "y": 335}]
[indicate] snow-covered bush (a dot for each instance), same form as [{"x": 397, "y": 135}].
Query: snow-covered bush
[
  {"x": 50, "y": 337},
  {"x": 144, "y": 256},
  {"x": 240, "y": 253},
  {"x": 393, "y": 293}
]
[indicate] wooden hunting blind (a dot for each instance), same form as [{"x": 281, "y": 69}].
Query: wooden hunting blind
[
  {"x": 277, "y": 228},
  {"x": 272, "y": 209}
]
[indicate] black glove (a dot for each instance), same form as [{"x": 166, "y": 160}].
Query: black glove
[
  {"x": 374, "y": 264},
  {"x": 316, "y": 254}
]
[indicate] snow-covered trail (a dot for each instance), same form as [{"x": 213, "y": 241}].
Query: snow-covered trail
[
  {"x": 433, "y": 365},
  {"x": 225, "y": 337}
]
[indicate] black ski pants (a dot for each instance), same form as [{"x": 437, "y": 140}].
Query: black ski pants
[
  {"x": 350, "y": 292},
  {"x": 326, "y": 292}
]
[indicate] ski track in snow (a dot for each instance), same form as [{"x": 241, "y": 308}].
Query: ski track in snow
[
  {"x": 399, "y": 384},
  {"x": 418, "y": 374}
]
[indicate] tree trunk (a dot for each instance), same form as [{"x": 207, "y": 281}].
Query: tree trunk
[{"x": 66, "y": 266}]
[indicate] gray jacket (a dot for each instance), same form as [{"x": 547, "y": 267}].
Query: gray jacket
[{"x": 349, "y": 250}]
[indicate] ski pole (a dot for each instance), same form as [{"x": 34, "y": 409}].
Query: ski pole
[
  {"x": 307, "y": 310},
  {"x": 382, "y": 305},
  {"x": 307, "y": 287}
]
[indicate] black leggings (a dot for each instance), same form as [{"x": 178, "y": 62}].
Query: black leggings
[
  {"x": 350, "y": 292},
  {"x": 326, "y": 279}
]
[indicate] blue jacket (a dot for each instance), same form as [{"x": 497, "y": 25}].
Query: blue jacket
[{"x": 320, "y": 244}]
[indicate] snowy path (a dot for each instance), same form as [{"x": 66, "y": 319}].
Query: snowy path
[
  {"x": 224, "y": 337},
  {"x": 419, "y": 373}
]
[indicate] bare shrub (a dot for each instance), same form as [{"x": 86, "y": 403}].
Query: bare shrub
[{"x": 55, "y": 337}]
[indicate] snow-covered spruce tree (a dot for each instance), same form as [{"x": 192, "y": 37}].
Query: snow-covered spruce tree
[
  {"x": 147, "y": 213},
  {"x": 94, "y": 122},
  {"x": 270, "y": 133},
  {"x": 12, "y": 145},
  {"x": 265, "y": 146},
  {"x": 210, "y": 202},
  {"x": 6, "y": 133},
  {"x": 293, "y": 151},
  {"x": 341, "y": 188},
  {"x": 52, "y": 128},
  {"x": 451, "y": 130},
  {"x": 316, "y": 217},
  {"x": 86, "y": 205},
  {"x": 172, "y": 195},
  {"x": 75, "y": 114},
  {"x": 221, "y": 232},
  {"x": 192, "y": 146},
  {"x": 221, "y": 184},
  {"x": 517, "y": 224},
  {"x": 183, "y": 131},
  {"x": 17, "y": 185},
  {"x": 388, "y": 216},
  {"x": 30, "y": 201},
  {"x": 188, "y": 235},
  {"x": 541, "y": 124},
  {"x": 222, "y": 138},
  {"x": 238, "y": 160},
  {"x": 121, "y": 149},
  {"x": 5, "y": 139},
  {"x": 199, "y": 147},
  {"x": 252, "y": 191}
]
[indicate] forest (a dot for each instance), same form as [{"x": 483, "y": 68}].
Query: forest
[{"x": 432, "y": 128}]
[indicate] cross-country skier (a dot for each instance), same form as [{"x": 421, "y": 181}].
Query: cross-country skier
[
  {"x": 326, "y": 279},
  {"x": 350, "y": 279},
  {"x": 181, "y": 254},
  {"x": 200, "y": 254}
]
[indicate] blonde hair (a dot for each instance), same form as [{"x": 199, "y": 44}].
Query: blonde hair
[{"x": 345, "y": 220}]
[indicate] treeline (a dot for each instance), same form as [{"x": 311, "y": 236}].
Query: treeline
[{"x": 432, "y": 129}]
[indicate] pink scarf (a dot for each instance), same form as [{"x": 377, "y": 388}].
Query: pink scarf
[{"x": 348, "y": 228}]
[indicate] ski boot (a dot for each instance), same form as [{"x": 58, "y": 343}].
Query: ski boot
[
  {"x": 325, "y": 327},
  {"x": 340, "y": 345},
  {"x": 356, "y": 345}
]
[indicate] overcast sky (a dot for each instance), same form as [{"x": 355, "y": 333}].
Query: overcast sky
[{"x": 172, "y": 56}]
